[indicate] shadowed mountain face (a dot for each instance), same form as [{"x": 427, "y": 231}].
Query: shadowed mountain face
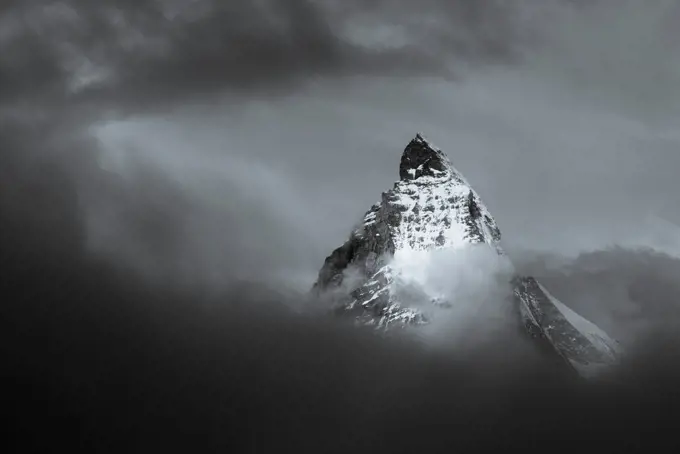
[{"x": 433, "y": 207}]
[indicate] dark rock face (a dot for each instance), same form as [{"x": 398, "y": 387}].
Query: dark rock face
[
  {"x": 431, "y": 207},
  {"x": 420, "y": 159},
  {"x": 331, "y": 272}
]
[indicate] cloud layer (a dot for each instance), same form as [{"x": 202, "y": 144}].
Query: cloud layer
[
  {"x": 159, "y": 157},
  {"x": 110, "y": 363}
]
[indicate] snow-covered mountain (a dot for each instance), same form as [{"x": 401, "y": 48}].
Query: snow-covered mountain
[{"x": 432, "y": 207}]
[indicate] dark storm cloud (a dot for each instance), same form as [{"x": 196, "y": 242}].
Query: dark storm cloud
[
  {"x": 151, "y": 54},
  {"x": 145, "y": 55},
  {"x": 139, "y": 54},
  {"x": 109, "y": 363},
  {"x": 238, "y": 45}
]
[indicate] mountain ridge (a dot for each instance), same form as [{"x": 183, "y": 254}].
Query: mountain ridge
[{"x": 433, "y": 207}]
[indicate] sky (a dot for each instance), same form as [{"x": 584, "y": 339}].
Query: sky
[{"x": 168, "y": 151}]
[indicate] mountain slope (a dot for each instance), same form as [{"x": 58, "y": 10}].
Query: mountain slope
[
  {"x": 371, "y": 276},
  {"x": 584, "y": 346},
  {"x": 431, "y": 206}
]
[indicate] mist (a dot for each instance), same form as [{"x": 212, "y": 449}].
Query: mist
[{"x": 173, "y": 175}]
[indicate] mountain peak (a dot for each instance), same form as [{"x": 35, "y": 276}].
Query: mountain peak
[
  {"x": 422, "y": 158},
  {"x": 372, "y": 277}
]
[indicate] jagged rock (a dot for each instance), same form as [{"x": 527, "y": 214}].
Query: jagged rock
[{"x": 431, "y": 207}]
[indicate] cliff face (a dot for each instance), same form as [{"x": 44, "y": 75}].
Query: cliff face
[
  {"x": 430, "y": 207},
  {"x": 433, "y": 207}
]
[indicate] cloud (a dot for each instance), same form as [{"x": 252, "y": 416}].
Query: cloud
[
  {"x": 150, "y": 55},
  {"x": 630, "y": 293},
  {"x": 112, "y": 363},
  {"x": 145, "y": 55},
  {"x": 551, "y": 135}
]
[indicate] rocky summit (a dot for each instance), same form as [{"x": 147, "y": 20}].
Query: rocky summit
[{"x": 433, "y": 207}]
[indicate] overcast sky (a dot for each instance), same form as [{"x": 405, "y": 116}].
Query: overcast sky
[
  {"x": 264, "y": 129},
  {"x": 202, "y": 142}
]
